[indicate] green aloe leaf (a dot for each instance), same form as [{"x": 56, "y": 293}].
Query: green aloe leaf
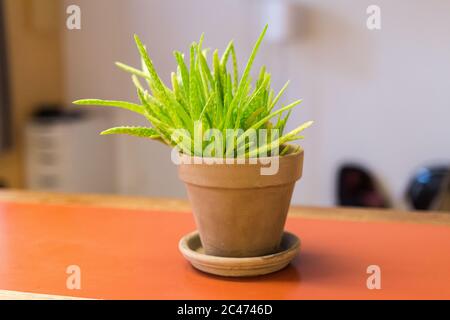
[
  {"x": 111, "y": 103},
  {"x": 142, "y": 132},
  {"x": 207, "y": 92}
]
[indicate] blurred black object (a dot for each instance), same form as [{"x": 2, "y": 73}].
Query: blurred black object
[
  {"x": 357, "y": 188},
  {"x": 54, "y": 113},
  {"x": 429, "y": 188}
]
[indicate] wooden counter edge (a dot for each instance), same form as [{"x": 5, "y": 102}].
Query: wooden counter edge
[
  {"x": 17, "y": 295},
  {"x": 145, "y": 203}
]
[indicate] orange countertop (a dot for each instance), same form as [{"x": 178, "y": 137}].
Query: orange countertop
[{"x": 126, "y": 248}]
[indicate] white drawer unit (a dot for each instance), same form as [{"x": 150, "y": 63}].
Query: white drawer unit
[{"x": 64, "y": 152}]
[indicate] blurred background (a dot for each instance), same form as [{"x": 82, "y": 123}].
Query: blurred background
[{"x": 380, "y": 98}]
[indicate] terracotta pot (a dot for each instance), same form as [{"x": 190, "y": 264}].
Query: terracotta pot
[{"x": 238, "y": 211}]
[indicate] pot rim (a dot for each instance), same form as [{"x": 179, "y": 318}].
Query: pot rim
[
  {"x": 246, "y": 175},
  {"x": 297, "y": 152}
]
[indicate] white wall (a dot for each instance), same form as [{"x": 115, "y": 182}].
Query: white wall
[
  {"x": 381, "y": 97},
  {"x": 378, "y": 97}
]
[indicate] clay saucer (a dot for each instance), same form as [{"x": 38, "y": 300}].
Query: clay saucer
[{"x": 192, "y": 249}]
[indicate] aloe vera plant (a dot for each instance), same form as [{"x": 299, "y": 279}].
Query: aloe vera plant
[{"x": 204, "y": 96}]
